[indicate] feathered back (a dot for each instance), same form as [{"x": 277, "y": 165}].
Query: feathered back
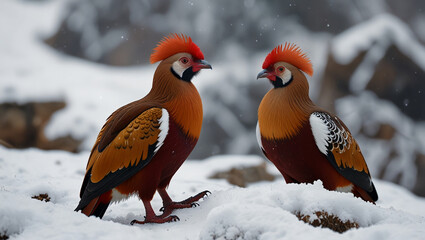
[
  {"x": 292, "y": 54},
  {"x": 175, "y": 43}
]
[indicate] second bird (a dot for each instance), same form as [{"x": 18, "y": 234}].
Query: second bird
[{"x": 305, "y": 142}]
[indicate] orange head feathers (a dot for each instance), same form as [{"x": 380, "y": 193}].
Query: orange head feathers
[
  {"x": 175, "y": 43},
  {"x": 291, "y": 54}
]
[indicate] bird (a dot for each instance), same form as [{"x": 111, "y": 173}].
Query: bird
[
  {"x": 305, "y": 142},
  {"x": 143, "y": 144}
]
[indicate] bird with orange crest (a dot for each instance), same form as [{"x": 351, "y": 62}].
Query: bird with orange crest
[
  {"x": 307, "y": 143},
  {"x": 144, "y": 143}
]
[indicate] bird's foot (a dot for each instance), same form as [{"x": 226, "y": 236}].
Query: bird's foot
[
  {"x": 188, "y": 203},
  {"x": 157, "y": 219}
]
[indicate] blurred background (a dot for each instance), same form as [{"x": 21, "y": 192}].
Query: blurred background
[{"x": 66, "y": 65}]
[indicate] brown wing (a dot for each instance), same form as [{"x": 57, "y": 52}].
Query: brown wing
[
  {"x": 131, "y": 150},
  {"x": 335, "y": 141},
  {"x": 119, "y": 120},
  {"x": 345, "y": 149}
]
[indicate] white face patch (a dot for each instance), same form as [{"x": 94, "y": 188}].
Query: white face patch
[
  {"x": 286, "y": 75},
  {"x": 179, "y": 67}
]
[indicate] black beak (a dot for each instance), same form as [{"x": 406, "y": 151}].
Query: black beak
[
  {"x": 201, "y": 64},
  {"x": 263, "y": 74}
]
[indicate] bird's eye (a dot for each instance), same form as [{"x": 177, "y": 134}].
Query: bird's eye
[
  {"x": 184, "y": 60},
  {"x": 281, "y": 69}
]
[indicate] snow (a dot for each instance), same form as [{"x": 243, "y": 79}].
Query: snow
[{"x": 263, "y": 210}]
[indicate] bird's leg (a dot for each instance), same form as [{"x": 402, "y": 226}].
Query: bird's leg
[
  {"x": 151, "y": 217},
  {"x": 169, "y": 205}
]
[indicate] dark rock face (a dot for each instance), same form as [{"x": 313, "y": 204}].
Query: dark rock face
[
  {"x": 22, "y": 126},
  {"x": 335, "y": 81},
  {"x": 400, "y": 80},
  {"x": 396, "y": 78},
  {"x": 420, "y": 181},
  {"x": 243, "y": 176},
  {"x": 108, "y": 32}
]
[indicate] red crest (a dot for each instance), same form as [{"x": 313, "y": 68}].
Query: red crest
[
  {"x": 175, "y": 43},
  {"x": 291, "y": 54}
]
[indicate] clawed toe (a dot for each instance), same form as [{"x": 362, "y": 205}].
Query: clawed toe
[
  {"x": 135, "y": 221},
  {"x": 203, "y": 194},
  {"x": 174, "y": 218},
  {"x": 169, "y": 207},
  {"x": 207, "y": 193},
  {"x": 195, "y": 204},
  {"x": 157, "y": 219}
]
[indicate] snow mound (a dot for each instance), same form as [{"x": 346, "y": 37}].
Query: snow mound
[
  {"x": 266, "y": 212},
  {"x": 262, "y": 211}
]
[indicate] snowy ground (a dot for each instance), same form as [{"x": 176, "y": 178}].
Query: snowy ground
[{"x": 262, "y": 211}]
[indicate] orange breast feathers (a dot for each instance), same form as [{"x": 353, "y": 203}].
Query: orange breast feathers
[
  {"x": 131, "y": 145},
  {"x": 283, "y": 111},
  {"x": 186, "y": 109}
]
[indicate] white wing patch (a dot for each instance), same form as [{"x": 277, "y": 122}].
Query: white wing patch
[
  {"x": 163, "y": 127},
  {"x": 320, "y": 131},
  {"x": 258, "y": 134},
  {"x": 329, "y": 133}
]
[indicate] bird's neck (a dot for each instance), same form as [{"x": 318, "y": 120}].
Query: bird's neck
[
  {"x": 182, "y": 101},
  {"x": 283, "y": 112}
]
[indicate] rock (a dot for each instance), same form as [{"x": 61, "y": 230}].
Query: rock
[
  {"x": 326, "y": 220},
  {"x": 385, "y": 131},
  {"x": 242, "y": 176},
  {"x": 419, "y": 188},
  {"x": 400, "y": 80},
  {"x": 335, "y": 82},
  {"x": 22, "y": 126},
  {"x": 42, "y": 197}
]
